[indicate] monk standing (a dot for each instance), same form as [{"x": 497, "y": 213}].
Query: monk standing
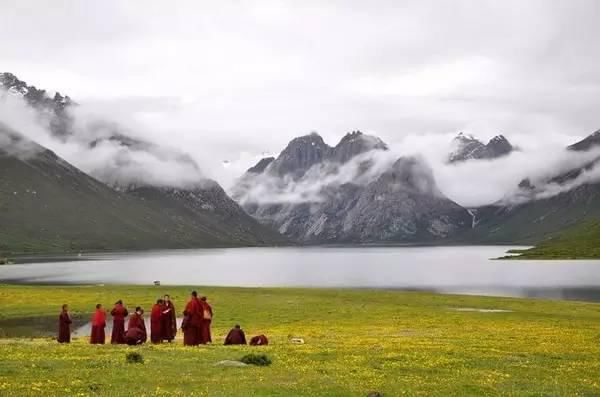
[
  {"x": 64, "y": 325},
  {"x": 98, "y": 324},
  {"x": 236, "y": 336},
  {"x": 192, "y": 321},
  {"x": 119, "y": 312},
  {"x": 169, "y": 320},
  {"x": 156, "y": 322},
  {"x": 136, "y": 329},
  {"x": 207, "y": 315}
]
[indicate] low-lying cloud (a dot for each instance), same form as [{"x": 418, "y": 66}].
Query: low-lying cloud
[{"x": 99, "y": 146}]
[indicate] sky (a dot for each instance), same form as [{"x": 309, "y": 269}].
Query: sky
[{"x": 231, "y": 80}]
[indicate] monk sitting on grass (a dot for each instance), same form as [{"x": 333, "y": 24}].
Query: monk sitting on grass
[
  {"x": 236, "y": 336},
  {"x": 136, "y": 329},
  {"x": 64, "y": 325},
  {"x": 119, "y": 312},
  {"x": 98, "y": 324},
  {"x": 259, "y": 340}
]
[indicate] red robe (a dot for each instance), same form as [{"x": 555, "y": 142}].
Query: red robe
[
  {"x": 119, "y": 312},
  {"x": 136, "y": 330},
  {"x": 64, "y": 327},
  {"x": 169, "y": 322},
  {"x": 155, "y": 323},
  {"x": 259, "y": 340},
  {"x": 207, "y": 315},
  {"x": 98, "y": 324},
  {"x": 235, "y": 337},
  {"x": 192, "y": 322}
]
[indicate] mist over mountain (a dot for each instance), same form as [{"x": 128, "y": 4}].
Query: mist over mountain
[
  {"x": 467, "y": 147},
  {"x": 356, "y": 191},
  {"x": 156, "y": 195},
  {"x": 540, "y": 208}
]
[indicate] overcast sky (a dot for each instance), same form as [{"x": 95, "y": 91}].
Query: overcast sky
[{"x": 232, "y": 79}]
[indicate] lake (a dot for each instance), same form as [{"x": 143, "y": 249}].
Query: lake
[{"x": 463, "y": 269}]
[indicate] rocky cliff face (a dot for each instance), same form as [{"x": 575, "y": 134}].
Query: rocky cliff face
[
  {"x": 340, "y": 198},
  {"x": 468, "y": 147}
]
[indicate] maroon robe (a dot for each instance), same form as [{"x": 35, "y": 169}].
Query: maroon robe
[
  {"x": 155, "y": 323},
  {"x": 119, "y": 312},
  {"x": 169, "y": 322},
  {"x": 235, "y": 337},
  {"x": 259, "y": 340},
  {"x": 207, "y": 315},
  {"x": 98, "y": 324},
  {"x": 192, "y": 322},
  {"x": 136, "y": 330},
  {"x": 64, "y": 327}
]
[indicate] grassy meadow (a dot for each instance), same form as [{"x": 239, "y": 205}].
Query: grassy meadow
[{"x": 356, "y": 341}]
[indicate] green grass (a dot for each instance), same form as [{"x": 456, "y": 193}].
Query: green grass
[
  {"x": 578, "y": 242},
  {"x": 357, "y": 341}
]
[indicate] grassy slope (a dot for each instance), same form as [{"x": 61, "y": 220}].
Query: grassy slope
[
  {"x": 356, "y": 341},
  {"x": 578, "y": 242},
  {"x": 46, "y": 205}
]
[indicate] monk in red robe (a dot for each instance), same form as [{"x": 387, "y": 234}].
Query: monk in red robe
[
  {"x": 207, "y": 315},
  {"x": 136, "y": 328},
  {"x": 236, "y": 336},
  {"x": 119, "y": 312},
  {"x": 98, "y": 324},
  {"x": 169, "y": 320},
  {"x": 192, "y": 321},
  {"x": 156, "y": 321},
  {"x": 64, "y": 325},
  {"x": 259, "y": 340}
]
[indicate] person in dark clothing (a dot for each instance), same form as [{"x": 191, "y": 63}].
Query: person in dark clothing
[
  {"x": 259, "y": 340},
  {"x": 64, "y": 325},
  {"x": 236, "y": 336}
]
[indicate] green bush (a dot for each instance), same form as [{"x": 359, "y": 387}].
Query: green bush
[
  {"x": 134, "y": 358},
  {"x": 256, "y": 359}
]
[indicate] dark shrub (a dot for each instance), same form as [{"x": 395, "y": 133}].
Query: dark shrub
[
  {"x": 256, "y": 359},
  {"x": 134, "y": 358}
]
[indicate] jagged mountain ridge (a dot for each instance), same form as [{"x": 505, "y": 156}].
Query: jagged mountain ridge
[
  {"x": 401, "y": 204},
  {"x": 468, "y": 147},
  {"x": 535, "y": 217}
]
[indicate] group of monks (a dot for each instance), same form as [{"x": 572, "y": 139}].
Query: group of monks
[{"x": 197, "y": 319}]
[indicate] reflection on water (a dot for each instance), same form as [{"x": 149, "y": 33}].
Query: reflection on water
[{"x": 440, "y": 269}]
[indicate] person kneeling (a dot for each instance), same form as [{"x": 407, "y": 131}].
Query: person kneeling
[
  {"x": 259, "y": 340},
  {"x": 136, "y": 330},
  {"x": 236, "y": 336}
]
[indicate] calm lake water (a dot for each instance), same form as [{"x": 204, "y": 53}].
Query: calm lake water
[{"x": 440, "y": 269}]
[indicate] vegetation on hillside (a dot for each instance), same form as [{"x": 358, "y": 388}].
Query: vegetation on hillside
[
  {"x": 578, "y": 242},
  {"x": 356, "y": 342}
]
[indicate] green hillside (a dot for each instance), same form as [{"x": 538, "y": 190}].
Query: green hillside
[
  {"x": 578, "y": 242},
  {"x": 47, "y": 205}
]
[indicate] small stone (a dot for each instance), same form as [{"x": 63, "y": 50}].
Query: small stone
[
  {"x": 297, "y": 341},
  {"x": 374, "y": 394},
  {"x": 230, "y": 363}
]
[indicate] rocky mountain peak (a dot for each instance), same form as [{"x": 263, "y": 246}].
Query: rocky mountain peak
[
  {"x": 467, "y": 147},
  {"x": 587, "y": 143},
  {"x": 355, "y": 143},
  {"x": 300, "y": 155},
  {"x": 260, "y": 167}
]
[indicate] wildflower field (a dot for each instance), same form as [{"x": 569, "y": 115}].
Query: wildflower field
[{"x": 356, "y": 341}]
